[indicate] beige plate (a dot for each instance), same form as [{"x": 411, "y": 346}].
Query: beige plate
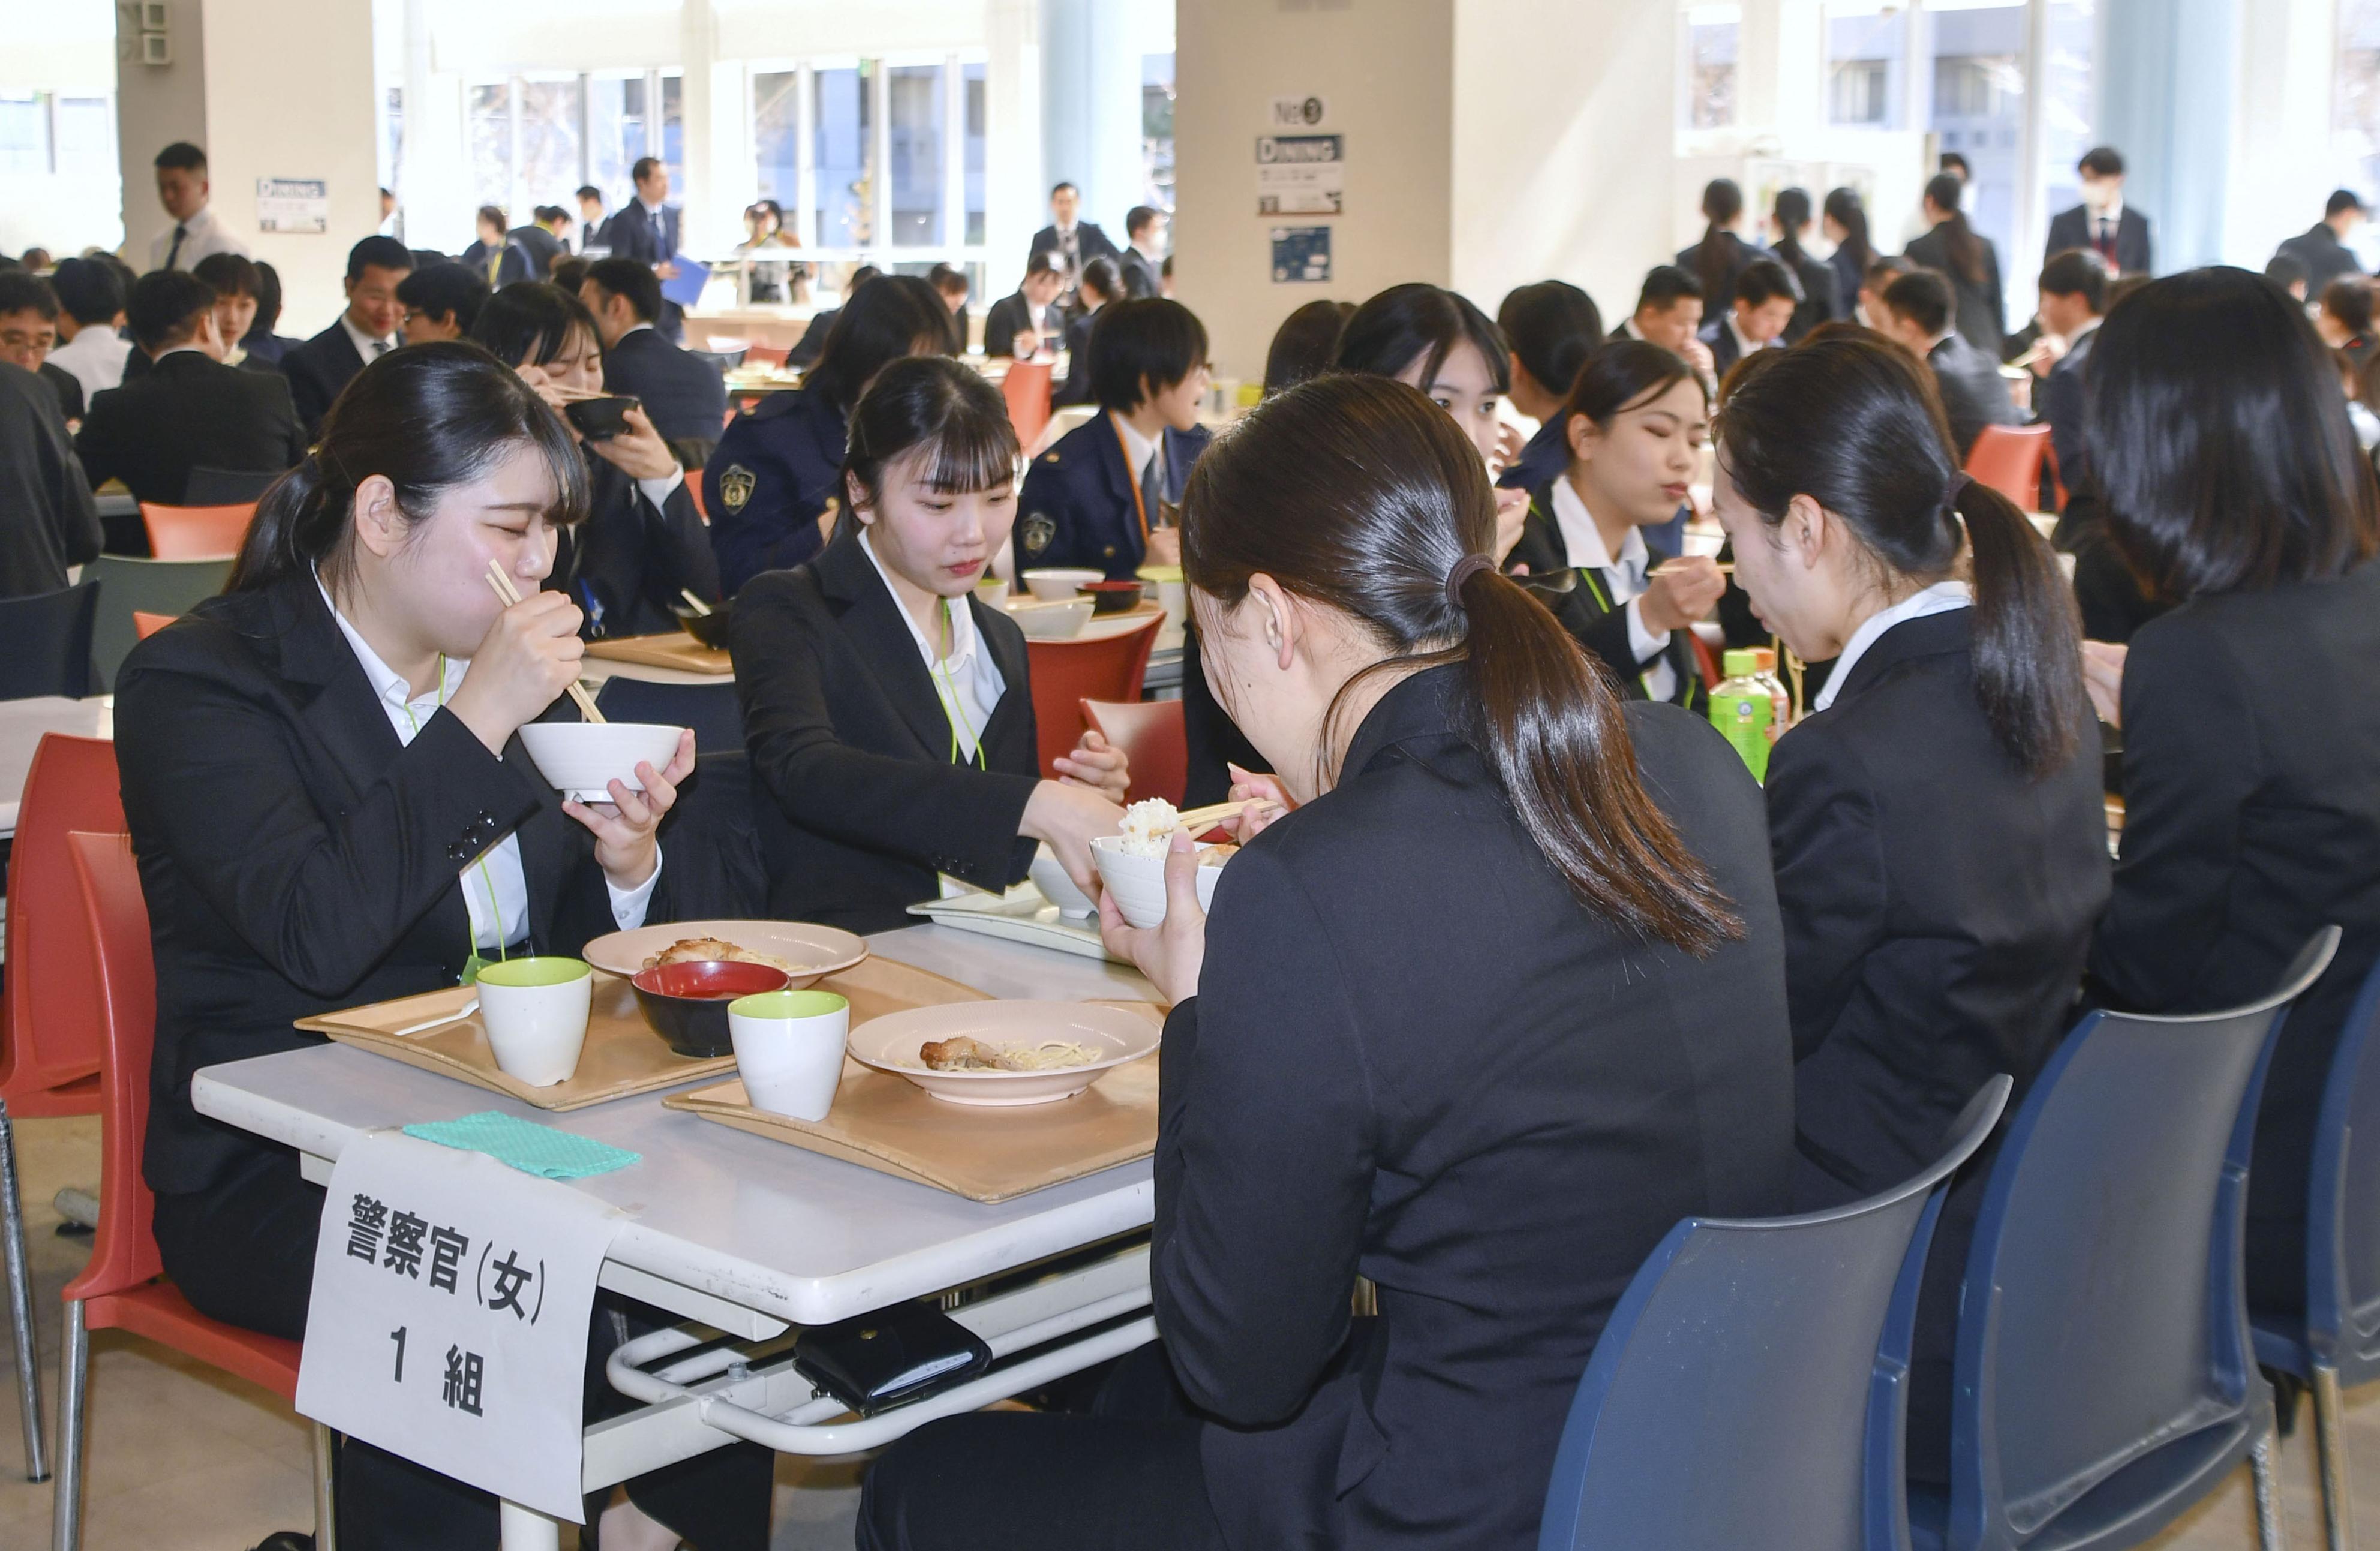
[
  {"x": 814, "y": 952},
  {"x": 889, "y": 1043}
]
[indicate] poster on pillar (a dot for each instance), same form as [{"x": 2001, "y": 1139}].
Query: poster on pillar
[
  {"x": 1301, "y": 255},
  {"x": 1301, "y": 174},
  {"x": 293, "y": 204}
]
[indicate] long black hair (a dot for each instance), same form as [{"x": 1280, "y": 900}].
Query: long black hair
[
  {"x": 1418, "y": 321},
  {"x": 428, "y": 417},
  {"x": 1714, "y": 255},
  {"x": 890, "y": 316},
  {"x": 1306, "y": 344},
  {"x": 528, "y": 322},
  {"x": 1843, "y": 207},
  {"x": 1791, "y": 211},
  {"x": 2220, "y": 442},
  {"x": 1360, "y": 494},
  {"x": 938, "y": 405},
  {"x": 1853, "y": 422},
  {"x": 1624, "y": 373},
  {"x": 1552, "y": 326},
  {"x": 1958, "y": 239}
]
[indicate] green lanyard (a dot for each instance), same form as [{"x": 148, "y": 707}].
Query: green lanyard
[
  {"x": 1603, "y": 600},
  {"x": 946, "y": 689},
  {"x": 476, "y": 962}
]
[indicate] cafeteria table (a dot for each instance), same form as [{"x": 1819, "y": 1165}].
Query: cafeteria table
[
  {"x": 22, "y": 724},
  {"x": 746, "y": 1237}
]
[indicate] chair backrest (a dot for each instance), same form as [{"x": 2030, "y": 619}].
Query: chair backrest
[
  {"x": 1747, "y": 1388},
  {"x": 124, "y": 1254},
  {"x": 711, "y": 709},
  {"x": 2008, "y": 458},
  {"x": 145, "y": 624},
  {"x": 1155, "y": 740},
  {"x": 1027, "y": 388},
  {"x": 129, "y": 585},
  {"x": 45, "y": 643},
  {"x": 2343, "y": 1210},
  {"x": 2105, "y": 1311},
  {"x": 226, "y": 487},
  {"x": 1065, "y": 673},
  {"x": 196, "y": 532},
  {"x": 52, "y": 1033}
]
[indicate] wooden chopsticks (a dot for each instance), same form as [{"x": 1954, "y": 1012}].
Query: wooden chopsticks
[{"x": 511, "y": 595}]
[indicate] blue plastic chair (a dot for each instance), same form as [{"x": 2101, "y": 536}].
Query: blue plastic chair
[
  {"x": 2334, "y": 1342},
  {"x": 2102, "y": 1376},
  {"x": 711, "y": 709},
  {"x": 1749, "y": 1375}
]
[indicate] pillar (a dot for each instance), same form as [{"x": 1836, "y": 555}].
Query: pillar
[
  {"x": 1090, "y": 104},
  {"x": 2167, "y": 96},
  {"x": 1015, "y": 189}
]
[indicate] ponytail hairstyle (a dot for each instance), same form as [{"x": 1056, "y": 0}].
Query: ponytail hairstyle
[
  {"x": 1552, "y": 326},
  {"x": 428, "y": 417},
  {"x": 1417, "y": 321},
  {"x": 1853, "y": 422},
  {"x": 1792, "y": 213},
  {"x": 938, "y": 410},
  {"x": 1358, "y": 494},
  {"x": 1844, "y": 208},
  {"x": 1965, "y": 249},
  {"x": 1714, "y": 255}
]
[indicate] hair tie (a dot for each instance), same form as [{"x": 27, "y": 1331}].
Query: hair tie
[
  {"x": 1464, "y": 569},
  {"x": 1958, "y": 483}
]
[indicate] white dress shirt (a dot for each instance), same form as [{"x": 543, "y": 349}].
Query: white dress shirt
[
  {"x": 201, "y": 235},
  {"x": 1744, "y": 346},
  {"x": 495, "y": 890},
  {"x": 1939, "y": 598},
  {"x": 967, "y": 682},
  {"x": 1138, "y": 450},
  {"x": 371, "y": 349},
  {"x": 1625, "y": 576},
  {"x": 95, "y": 357}
]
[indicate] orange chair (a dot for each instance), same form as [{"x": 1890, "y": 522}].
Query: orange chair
[
  {"x": 49, "y": 1032},
  {"x": 123, "y": 1289},
  {"x": 1066, "y": 673},
  {"x": 2008, "y": 458},
  {"x": 1027, "y": 388},
  {"x": 1154, "y": 740},
  {"x": 145, "y": 624},
  {"x": 195, "y": 532}
]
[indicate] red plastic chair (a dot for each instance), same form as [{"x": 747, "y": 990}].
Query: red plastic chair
[
  {"x": 1066, "y": 673},
  {"x": 123, "y": 1289},
  {"x": 2008, "y": 458},
  {"x": 49, "y": 1032},
  {"x": 1153, "y": 739},
  {"x": 1027, "y": 388},
  {"x": 196, "y": 532},
  {"x": 145, "y": 624}
]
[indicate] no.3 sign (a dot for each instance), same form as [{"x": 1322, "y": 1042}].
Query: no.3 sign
[{"x": 449, "y": 1317}]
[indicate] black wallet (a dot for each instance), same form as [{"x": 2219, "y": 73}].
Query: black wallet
[{"x": 889, "y": 1357}]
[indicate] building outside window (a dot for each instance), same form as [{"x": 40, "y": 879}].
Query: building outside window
[
  {"x": 1157, "y": 130},
  {"x": 2355, "y": 99},
  {"x": 534, "y": 139},
  {"x": 1867, "y": 50},
  {"x": 1708, "y": 99}
]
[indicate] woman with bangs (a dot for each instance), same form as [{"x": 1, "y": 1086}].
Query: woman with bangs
[
  {"x": 330, "y": 808},
  {"x": 886, "y": 708}
]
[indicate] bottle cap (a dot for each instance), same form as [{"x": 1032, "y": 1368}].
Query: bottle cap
[
  {"x": 1763, "y": 660},
  {"x": 1738, "y": 663}
]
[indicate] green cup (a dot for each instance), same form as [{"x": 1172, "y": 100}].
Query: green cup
[
  {"x": 535, "y": 1013},
  {"x": 789, "y": 1049}
]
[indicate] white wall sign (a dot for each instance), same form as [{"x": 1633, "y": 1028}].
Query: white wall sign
[
  {"x": 449, "y": 1317},
  {"x": 1301, "y": 174},
  {"x": 1298, "y": 113},
  {"x": 293, "y": 204}
]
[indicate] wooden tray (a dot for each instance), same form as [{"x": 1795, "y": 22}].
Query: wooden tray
[
  {"x": 623, "y": 1055},
  {"x": 676, "y": 649},
  {"x": 883, "y": 1123}
]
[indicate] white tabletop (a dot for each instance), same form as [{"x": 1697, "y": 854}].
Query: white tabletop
[
  {"x": 22, "y": 723},
  {"x": 752, "y": 1222}
]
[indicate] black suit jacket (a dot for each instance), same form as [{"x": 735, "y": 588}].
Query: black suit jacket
[
  {"x": 513, "y": 266},
  {"x": 2072, "y": 228},
  {"x": 1819, "y": 302},
  {"x": 683, "y": 396},
  {"x": 541, "y": 245},
  {"x": 1009, "y": 317},
  {"x": 48, "y": 520},
  {"x": 1982, "y": 312},
  {"x": 1420, "y": 1060},
  {"x": 318, "y": 370},
  {"x": 190, "y": 412},
  {"x": 1583, "y": 604},
  {"x": 297, "y": 858},
  {"x": 626, "y": 564},
  {"x": 1089, "y": 243},
  {"x": 2325, "y": 257},
  {"x": 67, "y": 386},
  {"x": 629, "y": 234},
  {"x": 1139, "y": 274},
  {"x": 1974, "y": 393},
  {"x": 1077, "y": 388},
  {"x": 1739, "y": 254},
  {"x": 2062, "y": 409},
  {"x": 806, "y": 349},
  {"x": 851, "y": 748},
  {"x": 2252, "y": 821}
]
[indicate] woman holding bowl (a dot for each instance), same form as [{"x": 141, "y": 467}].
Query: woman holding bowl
[
  {"x": 1494, "y": 1121},
  {"x": 330, "y": 808}
]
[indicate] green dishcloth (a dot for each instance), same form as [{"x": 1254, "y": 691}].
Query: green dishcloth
[{"x": 542, "y": 1150}]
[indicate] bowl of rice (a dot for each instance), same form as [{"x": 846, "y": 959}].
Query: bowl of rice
[{"x": 1132, "y": 863}]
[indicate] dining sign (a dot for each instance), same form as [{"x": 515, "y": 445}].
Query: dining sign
[{"x": 1301, "y": 174}]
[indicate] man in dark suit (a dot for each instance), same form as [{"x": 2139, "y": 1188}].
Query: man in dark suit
[
  {"x": 29, "y": 330},
  {"x": 495, "y": 255},
  {"x": 2321, "y": 249},
  {"x": 48, "y": 520},
  {"x": 1144, "y": 232},
  {"x": 541, "y": 240},
  {"x": 190, "y": 411},
  {"x": 2073, "y": 295},
  {"x": 2103, "y": 222},
  {"x": 1018, "y": 324},
  {"x": 1917, "y": 313},
  {"x": 591, "y": 219},
  {"x": 682, "y": 395},
  {"x": 1076, "y": 242},
  {"x": 646, "y": 229},
  {"x": 1766, "y": 297},
  {"x": 366, "y": 330}
]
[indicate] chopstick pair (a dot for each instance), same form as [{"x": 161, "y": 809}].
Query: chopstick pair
[{"x": 511, "y": 595}]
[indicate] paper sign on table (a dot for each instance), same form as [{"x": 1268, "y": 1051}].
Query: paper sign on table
[{"x": 449, "y": 1317}]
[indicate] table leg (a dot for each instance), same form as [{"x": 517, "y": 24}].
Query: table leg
[{"x": 525, "y": 1529}]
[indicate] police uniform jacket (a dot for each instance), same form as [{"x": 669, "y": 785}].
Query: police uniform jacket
[
  {"x": 764, "y": 487},
  {"x": 1079, "y": 507}
]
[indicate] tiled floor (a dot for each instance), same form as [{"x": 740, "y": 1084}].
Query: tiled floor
[{"x": 180, "y": 1456}]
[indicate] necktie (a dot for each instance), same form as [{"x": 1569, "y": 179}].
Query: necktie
[
  {"x": 176, "y": 251},
  {"x": 1152, "y": 489},
  {"x": 380, "y": 349},
  {"x": 660, "y": 234},
  {"x": 2106, "y": 243}
]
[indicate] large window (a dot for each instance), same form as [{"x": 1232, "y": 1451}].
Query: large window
[
  {"x": 44, "y": 132},
  {"x": 1979, "y": 109},
  {"x": 534, "y": 138},
  {"x": 1709, "y": 44},
  {"x": 2355, "y": 98},
  {"x": 1867, "y": 54},
  {"x": 1157, "y": 130},
  {"x": 972, "y": 106},
  {"x": 843, "y": 154},
  {"x": 917, "y": 129}
]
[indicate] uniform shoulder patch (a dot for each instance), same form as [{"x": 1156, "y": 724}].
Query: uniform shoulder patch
[
  {"x": 1037, "y": 530},
  {"x": 735, "y": 486},
  {"x": 1051, "y": 457}
]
